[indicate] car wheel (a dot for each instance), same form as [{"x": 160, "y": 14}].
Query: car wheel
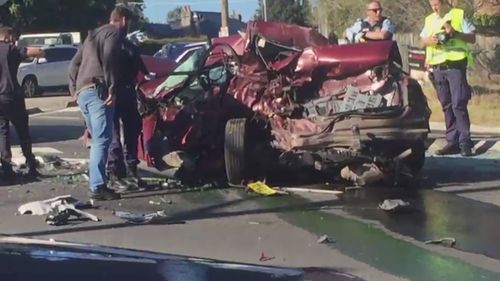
[
  {"x": 235, "y": 151},
  {"x": 30, "y": 86}
]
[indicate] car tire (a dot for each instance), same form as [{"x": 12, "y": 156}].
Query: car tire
[
  {"x": 235, "y": 151},
  {"x": 30, "y": 86}
]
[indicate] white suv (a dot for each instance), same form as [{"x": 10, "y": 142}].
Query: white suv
[{"x": 48, "y": 73}]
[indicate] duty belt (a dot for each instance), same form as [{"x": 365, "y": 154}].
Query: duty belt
[{"x": 459, "y": 64}]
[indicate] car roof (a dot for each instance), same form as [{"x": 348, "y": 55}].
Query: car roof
[{"x": 45, "y": 47}]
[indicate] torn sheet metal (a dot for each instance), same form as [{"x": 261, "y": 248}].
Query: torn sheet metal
[
  {"x": 446, "y": 241},
  {"x": 135, "y": 218},
  {"x": 61, "y": 214}
]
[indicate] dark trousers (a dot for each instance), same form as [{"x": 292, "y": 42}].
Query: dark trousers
[
  {"x": 126, "y": 113},
  {"x": 15, "y": 112},
  {"x": 454, "y": 94}
]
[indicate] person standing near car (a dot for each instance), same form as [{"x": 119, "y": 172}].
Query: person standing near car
[
  {"x": 12, "y": 105},
  {"x": 122, "y": 159},
  {"x": 93, "y": 77},
  {"x": 445, "y": 36},
  {"x": 372, "y": 28}
]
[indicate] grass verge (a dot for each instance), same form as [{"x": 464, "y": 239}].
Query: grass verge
[{"x": 484, "y": 109}]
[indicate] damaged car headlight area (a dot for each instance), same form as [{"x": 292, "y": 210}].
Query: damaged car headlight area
[{"x": 283, "y": 94}]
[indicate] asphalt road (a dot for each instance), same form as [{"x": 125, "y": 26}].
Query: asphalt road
[{"x": 456, "y": 197}]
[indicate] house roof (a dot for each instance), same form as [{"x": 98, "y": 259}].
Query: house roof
[{"x": 207, "y": 23}]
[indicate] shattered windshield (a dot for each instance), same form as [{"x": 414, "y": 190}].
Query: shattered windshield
[{"x": 182, "y": 72}]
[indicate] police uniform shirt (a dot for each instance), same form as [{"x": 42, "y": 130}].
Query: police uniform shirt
[
  {"x": 467, "y": 28},
  {"x": 353, "y": 33}
]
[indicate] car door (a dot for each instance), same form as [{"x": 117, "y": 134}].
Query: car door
[
  {"x": 46, "y": 67},
  {"x": 66, "y": 55}
]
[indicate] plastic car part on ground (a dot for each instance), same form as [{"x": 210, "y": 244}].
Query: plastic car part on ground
[
  {"x": 393, "y": 205},
  {"x": 58, "y": 209},
  {"x": 262, "y": 188}
]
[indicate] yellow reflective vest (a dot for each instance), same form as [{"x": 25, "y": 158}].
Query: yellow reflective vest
[{"x": 454, "y": 49}]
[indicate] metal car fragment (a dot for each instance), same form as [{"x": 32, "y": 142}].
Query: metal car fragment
[{"x": 135, "y": 218}]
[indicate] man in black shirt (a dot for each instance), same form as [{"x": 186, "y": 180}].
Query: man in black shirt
[
  {"x": 12, "y": 106},
  {"x": 131, "y": 65}
]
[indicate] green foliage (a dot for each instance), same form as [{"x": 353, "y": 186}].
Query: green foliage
[
  {"x": 486, "y": 21},
  {"x": 56, "y": 15},
  {"x": 289, "y": 11},
  {"x": 175, "y": 14},
  {"x": 137, "y": 7}
]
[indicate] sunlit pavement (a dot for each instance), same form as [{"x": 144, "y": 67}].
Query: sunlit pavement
[{"x": 458, "y": 197}]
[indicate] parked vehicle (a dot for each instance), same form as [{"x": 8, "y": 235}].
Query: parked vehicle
[
  {"x": 50, "y": 39},
  {"x": 283, "y": 94},
  {"x": 48, "y": 73},
  {"x": 179, "y": 50}
]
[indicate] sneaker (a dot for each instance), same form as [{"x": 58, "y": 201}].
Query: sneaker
[
  {"x": 466, "y": 151},
  {"x": 104, "y": 194},
  {"x": 448, "y": 149}
]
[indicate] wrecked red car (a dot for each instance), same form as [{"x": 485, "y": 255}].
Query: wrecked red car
[{"x": 283, "y": 95}]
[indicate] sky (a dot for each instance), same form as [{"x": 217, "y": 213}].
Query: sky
[{"x": 156, "y": 10}]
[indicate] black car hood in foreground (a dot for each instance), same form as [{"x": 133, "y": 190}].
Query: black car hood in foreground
[{"x": 27, "y": 259}]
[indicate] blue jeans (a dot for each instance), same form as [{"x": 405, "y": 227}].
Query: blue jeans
[{"x": 99, "y": 120}]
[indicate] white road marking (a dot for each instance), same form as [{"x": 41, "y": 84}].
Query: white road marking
[{"x": 69, "y": 109}]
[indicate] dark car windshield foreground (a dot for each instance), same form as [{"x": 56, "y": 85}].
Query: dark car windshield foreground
[
  {"x": 301, "y": 140},
  {"x": 60, "y": 261}
]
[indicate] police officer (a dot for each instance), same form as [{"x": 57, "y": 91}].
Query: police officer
[
  {"x": 122, "y": 160},
  {"x": 445, "y": 35},
  {"x": 373, "y": 27}
]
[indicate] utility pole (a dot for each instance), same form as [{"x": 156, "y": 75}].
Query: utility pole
[
  {"x": 224, "y": 29},
  {"x": 264, "y": 2}
]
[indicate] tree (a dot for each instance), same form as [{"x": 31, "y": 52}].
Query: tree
[
  {"x": 175, "y": 14},
  {"x": 56, "y": 15},
  {"x": 137, "y": 7},
  {"x": 289, "y": 11}
]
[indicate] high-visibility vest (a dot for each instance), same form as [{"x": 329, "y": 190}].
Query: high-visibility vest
[{"x": 454, "y": 49}]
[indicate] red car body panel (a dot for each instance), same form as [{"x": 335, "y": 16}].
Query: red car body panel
[{"x": 275, "y": 58}]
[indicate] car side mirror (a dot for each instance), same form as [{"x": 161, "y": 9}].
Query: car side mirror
[{"x": 42, "y": 60}]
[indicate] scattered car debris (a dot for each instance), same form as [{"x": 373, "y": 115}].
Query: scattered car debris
[
  {"x": 362, "y": 175},
  {"x": 310, "y": 190},
  {"x": 262, "y": 188},
  {"x": 446, "y": 241},
  {"x": 58, "y": 209},
  {"x": 134, "y": 218},
  {"x": 264, "y": 258},
  {"x": 394, "y": 205},
  {"x": 324, "y": 239},
  {"x": 39, "y": 208},
  {"x": 152, "y": 202},
  {"x": 61, "y": 214},
  {"x": 166, "y": 201}
]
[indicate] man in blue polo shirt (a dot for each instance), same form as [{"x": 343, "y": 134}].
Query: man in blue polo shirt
[{"x": 373, "y": 27}]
